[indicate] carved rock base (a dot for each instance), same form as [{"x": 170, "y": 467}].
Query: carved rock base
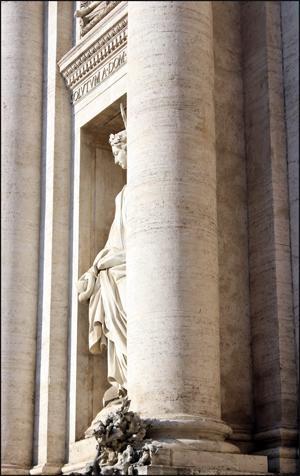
[{"x": 114, "y": 406}]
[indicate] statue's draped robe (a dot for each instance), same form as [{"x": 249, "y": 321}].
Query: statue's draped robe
[{"x": 107, "y": 316}]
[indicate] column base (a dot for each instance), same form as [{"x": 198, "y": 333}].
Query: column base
[
  {"x": 188, "y": 426},
  {"x": 242, "y": 437},
  {"x": 46, "y": 468},
  {"x": 281, "y": 460},
  {"x": 13, "y": 469},
  {"x": 280, "y": 446}
]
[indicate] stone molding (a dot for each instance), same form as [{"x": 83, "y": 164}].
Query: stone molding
[
  {"x": 94, "y": 56},
  {"x": 94, "y": 52}
]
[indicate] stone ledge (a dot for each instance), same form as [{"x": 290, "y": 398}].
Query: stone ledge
[
  {"x": 157, "y": 470},
  {"x": 178, "y": 462},
  {"x": 212, "y": 461},
  {"x": 47, "y": 469}
]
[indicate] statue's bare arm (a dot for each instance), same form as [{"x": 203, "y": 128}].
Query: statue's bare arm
[{"x": 85, "y": 11}]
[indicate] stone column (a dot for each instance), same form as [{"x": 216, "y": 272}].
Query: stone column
[
  {"x": 22, "y": 74},
  {"x": 172, "y": 249}
]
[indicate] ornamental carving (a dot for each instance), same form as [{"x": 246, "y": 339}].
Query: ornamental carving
[
  {"x": 91, "y": 13},
  {"x": 97, "y": 62},
  {"x": 122, "y": 445},
  {"x": 97, "y": 53}
]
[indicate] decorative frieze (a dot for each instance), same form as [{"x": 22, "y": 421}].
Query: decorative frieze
[
  {"x": 89, "y": 61},
  {"x": 95, "y": 63},
  {"x": 99, "y": 76}
]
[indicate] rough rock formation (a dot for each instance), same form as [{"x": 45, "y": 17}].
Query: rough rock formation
[{"x": 121, "y": 444}]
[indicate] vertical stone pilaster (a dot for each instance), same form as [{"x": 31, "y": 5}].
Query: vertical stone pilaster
[
  {"x": 52, "y": 358},
  {"x": 22, "y": 75},
  {"x": 273, "y": 341},
  {"x": 290, "y": 45},
  {"x": 172, "y": 248},
  {"x": 234, "y": 299}
]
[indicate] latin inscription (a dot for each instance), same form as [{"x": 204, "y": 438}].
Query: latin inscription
[{"x": 100, "y": 76}]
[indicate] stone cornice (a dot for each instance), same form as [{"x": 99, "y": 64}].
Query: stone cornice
[
  {"x": 97, "y": 55},
  {"x": 92, "y": 58}
]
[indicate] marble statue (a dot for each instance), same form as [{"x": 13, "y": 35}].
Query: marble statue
[
  {"x": 91, "y": 13},
  {"x": 104, "y": 287}
]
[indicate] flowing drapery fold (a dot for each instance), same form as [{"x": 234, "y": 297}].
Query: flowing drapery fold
[{"x": 107, "y": 305}]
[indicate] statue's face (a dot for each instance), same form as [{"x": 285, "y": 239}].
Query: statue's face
[
  {"x": 119, "y": 148},
  {"x": 120, "y": 155}
]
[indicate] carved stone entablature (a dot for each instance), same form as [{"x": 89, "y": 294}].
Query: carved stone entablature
[{"x": 97, "y": 56}]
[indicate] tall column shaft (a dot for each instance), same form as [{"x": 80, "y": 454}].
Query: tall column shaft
[
  {"x": 172, "y": 251},
  {"x": 22, "y": 69}
]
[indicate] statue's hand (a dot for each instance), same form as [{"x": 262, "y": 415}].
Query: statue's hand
[{"x": 85, "y": 285}]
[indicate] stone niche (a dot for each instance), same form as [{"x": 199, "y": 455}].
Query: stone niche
[
  {"x": 100, "y": 182},
  {"x": 94, "y": 71}
]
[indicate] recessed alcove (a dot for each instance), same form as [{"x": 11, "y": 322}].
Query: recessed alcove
[{"x": 100, "y": 180}]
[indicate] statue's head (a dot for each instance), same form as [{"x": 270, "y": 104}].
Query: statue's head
[{"x": 118, "y": 144}]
